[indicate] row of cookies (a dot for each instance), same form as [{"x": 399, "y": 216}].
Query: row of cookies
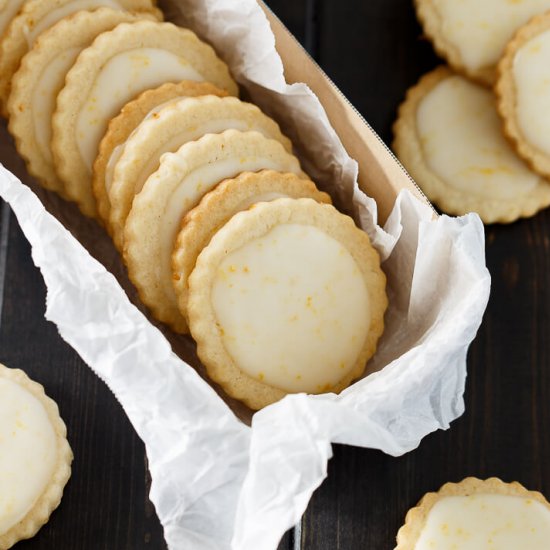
[
  {"x": 137, "y": 121},
  {"x": 468, "y": 146}
]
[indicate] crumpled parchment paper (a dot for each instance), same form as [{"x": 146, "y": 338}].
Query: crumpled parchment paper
[{"x": 218, "y": 482}]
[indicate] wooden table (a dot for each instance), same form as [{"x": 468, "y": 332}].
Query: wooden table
[{"x": 373, "y": 50}]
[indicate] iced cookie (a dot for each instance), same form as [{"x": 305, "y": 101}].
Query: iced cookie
[
  {"x": 219, "y": 205},
  {"x": 35, "y": 17},
  {"x": 449, "y": 137},
  {"x": 182, "y": 179},
  {"x": 35, "y": 457},
  {"x": 123, "y": 125},
  {"x": 472, "y": 34},
  {"x": 476, "y": 514},
  {"x": 523, "y": 91},
  {"x": 287, "y": 297},
  {"x": 166, "y": 131},
  {"x": 118, "y": 66},
  {"x": 41, "y": 77}
]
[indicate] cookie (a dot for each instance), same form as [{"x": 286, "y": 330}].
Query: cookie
[
  {"x": 523, "y": 92},
  {"x": 219, "y": 205},
  {"x": 472, "y": 34},
  {"x": 35, "y": 17},
  {"x": 182, "y": 179},
  {"x": 35, "y": 457},
  {"x": 166, "y": 131},
  {"x": 476, "y": 514},
  {"x": 287, "y": 297},
  {"x": 118, "y": 66},
  {"x": 123, "y": 125},
  {"x": 449, "y": 137},
  {"x": 39, "y": 80}
]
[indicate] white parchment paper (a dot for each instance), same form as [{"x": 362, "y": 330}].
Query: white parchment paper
[{"x": 217, "y": 482}]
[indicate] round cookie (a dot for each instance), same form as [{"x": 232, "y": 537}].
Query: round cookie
[
  {"x": 448, "y": 136},
  {"x": 35, "y": 17},
  {"x": 472, "y": 34},
  {"x": 118, "y": 66},
  {"x": 165, "y": 132},
  {"x": 182, "y": 179},
  {"x": 218, "y": 206},
  {"x": 288, "y": 297},
  {"x": 123, "y": 125},
  {"x": 41, "y": 77},
  {"x": 523, "y": 92},
  {"x": 475, "y": 514},
  {"x": 35, "y": 457}
]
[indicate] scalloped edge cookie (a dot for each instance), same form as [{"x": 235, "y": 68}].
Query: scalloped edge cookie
[
  {"x": 16, "y": 41},
  {"x": 415, "y": 520},
  {"x": 505, "y": 90},
  {"x": 50, "y": 498},
  {"x": 69, "y": 163},
  {"x": 76, "y": 31},
  {"x": 185, "y": 120},
  {"x": 149, "y": 263},
  {"x": 243, "y": 228},
  {"x": 122, "y": 126},
  {"x": 408, "y": 149},
  {"x": 218, "y": 206}
]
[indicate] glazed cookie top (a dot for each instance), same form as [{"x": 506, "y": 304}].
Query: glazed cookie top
[
  {"x": 118, "y": 66},
  {"x": 288, "y": 297},
  {"x": 448, "y": 136},
  {"x": 472, "y": 34},
  {"x": 35, "y": 17},
  {"x": 477, "y": 514},
  {"x": 34, "y": 456},
  {"x": 523, "y": 91}
]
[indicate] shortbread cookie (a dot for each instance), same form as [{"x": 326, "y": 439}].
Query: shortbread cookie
[
  {"x": 35, "y": 457},
  {"x": 35, "y": 17},
  {"x": 182, "y": 179},
  {"x": 288, "y": 297},
  {"x": 219, "y": 205},
  {"x": 449, "y": 137},
  {"x": 41, "y": 77},
  {"x": 118, "y": 66},
  {"x": 472, "y": 34},
  {"x": 523, "y": 92},
  {"x": 123, "y": 125},
  {"x": 475, "y": 514},
  {"x": 176, "y": 124}
]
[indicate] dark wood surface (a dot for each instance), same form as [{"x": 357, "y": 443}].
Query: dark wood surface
[{"x": 373, "y": 50}]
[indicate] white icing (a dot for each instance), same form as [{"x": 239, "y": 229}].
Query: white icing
[
  {"x": 498, "y": 522},
  {"x": 293, "y": 308},
  {"x": 122, "y": 78},
  {"x": 480, "y": 29},
  {"x": 45, "y": 96},
  {"x": 53, "y": 16},
  {"x": 532, "y": 82},
  {"x": 8, "y": 10},
  {"x": 188, "y": 194},
  {"x": 28, "y": 452},
  {"x": 462, "y": 142}
]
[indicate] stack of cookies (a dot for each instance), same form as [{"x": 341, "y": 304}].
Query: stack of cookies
[
  {"x": 475, "y": 134},
  {"x": 138, "y": 122}
]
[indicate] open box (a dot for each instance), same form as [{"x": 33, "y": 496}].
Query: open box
[{"x": 218, "y": 483}]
